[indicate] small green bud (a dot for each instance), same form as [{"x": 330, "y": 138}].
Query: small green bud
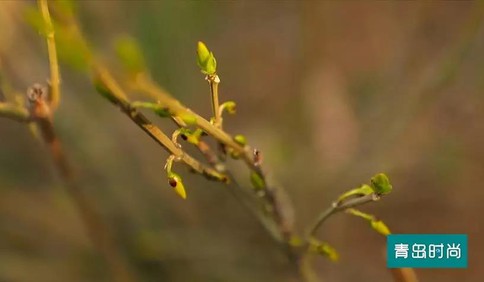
[
  {"x": 230, "y": 107},
  {"x": 205, "y": 59},
  {"x": 202, "y": 52},
  {"x": 295, "y": 241},
  {"x": 257, "y": 182},
  {"x": 190, "y": 136},
  {"x": 176, "y": 183},
  {"x": 189, "y": 119},
  {"x": 234, "y": 155},
  {"x": 240, "y": 139},
  {"x": 162, "y": 112},
  {"x": 325, "y": 249},
  {"x": 380, "y": 227},
  {"x": 192, "y": 139},
  {"x": 381, "y": 184}
]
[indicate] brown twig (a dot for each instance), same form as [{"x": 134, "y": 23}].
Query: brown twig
[
  {"x": 274, "y": 196},
  {"x": 117, "y": 96},
  {"x": 99, "y": 234}
]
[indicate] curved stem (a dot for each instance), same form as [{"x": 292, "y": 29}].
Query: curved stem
[
  {"x": 305, "y": 259},
  {"x": 335, "y": 207}
]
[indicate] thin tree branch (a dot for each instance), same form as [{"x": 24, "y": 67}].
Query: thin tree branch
[
  {"x": 119, "y": 98},
  {"x": 336, "y": 207},
  {"x": 305, "y": 259},
  {"x": 279, "y": 208},
  {"x": 97, "y": 230},
  {"x": 11, "y": 111},
  {"x": 213, "y": 81},
  {"x": 53, "y": 62},
  {"x": 273, "y": 195}
]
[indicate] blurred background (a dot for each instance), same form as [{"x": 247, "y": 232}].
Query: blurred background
[{"x": 331, "y": 93}]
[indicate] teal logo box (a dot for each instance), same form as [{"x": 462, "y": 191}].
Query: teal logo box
[{"x": 427, "y": 250}]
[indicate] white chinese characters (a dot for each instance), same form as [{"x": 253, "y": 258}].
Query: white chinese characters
[
  {"x": 418, "y": 251},
  {"x": 436, "y": 251},
  {"x": 453, "y": 251},
  {"x": 424, "y": 251},
  {"x": 401, "y": 250}
]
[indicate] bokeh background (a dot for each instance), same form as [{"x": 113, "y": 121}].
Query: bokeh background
[{"x": 331, "y": 92}]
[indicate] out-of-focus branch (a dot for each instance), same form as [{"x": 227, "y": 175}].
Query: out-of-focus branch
[
  {"x": 405, "y": 274},
  {"x": 272, "y": 197},
  {"x": 11, "y": 111},
  {"x": 40, "y": 111},
  {"x": 53, "y": 62},
  {"x": 99, "y": 234}
]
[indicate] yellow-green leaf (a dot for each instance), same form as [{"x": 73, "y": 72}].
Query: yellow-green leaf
[
  {"x": 188, "y": 118},
  {"x": 380, "y": 227},
  {"x": 176, "y": 183},
  {"x": 230, "y": 107},
  {"x": 326, "y": 250},
  {"x": 240, "y": 139},
  {"x": 206, "y": 60},
  {"x": 257, "y": 182},
  {"x": 381, "y": 184}
]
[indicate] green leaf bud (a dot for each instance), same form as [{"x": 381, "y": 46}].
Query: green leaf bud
[
  {"x": 189, "y": 119},
  {"x": 205, "y": 59},
  {"x": 380, "y": 227},
  {"x": 326, "y": 250},
  {"x": 240, "y": 139},
  {"x": 381, "y": 184},
  {"x": 257, "y": 182},
  {"x": 176, "y": 183}
]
